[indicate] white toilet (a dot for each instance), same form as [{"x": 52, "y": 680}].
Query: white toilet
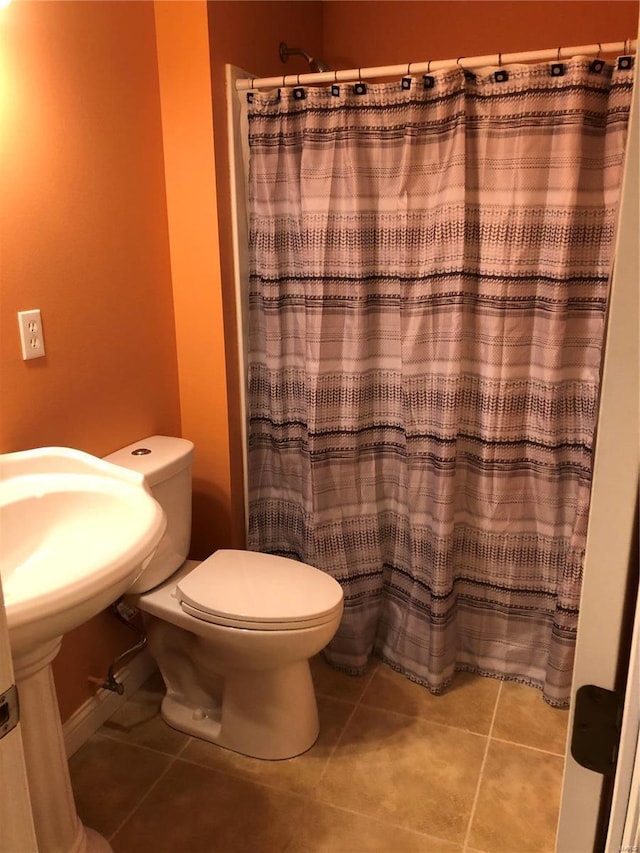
[{"x": 232, "y": 635}]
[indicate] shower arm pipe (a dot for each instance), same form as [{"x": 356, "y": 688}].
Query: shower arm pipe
[{"x": 466, "y": 62}]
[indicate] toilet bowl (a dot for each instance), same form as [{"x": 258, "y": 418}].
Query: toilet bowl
[{"x": 232, "y": 635}]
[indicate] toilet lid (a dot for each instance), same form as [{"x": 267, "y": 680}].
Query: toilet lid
[{"x": 260, "y": 591}]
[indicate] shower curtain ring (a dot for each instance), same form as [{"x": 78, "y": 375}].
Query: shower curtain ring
[
  {"x": 409, "y": 70},
  {"x": 499, "y": 60},
  {"x": 626, "y": 46},
  {"x": 599, "y": 50},
  {"x": 558, "y": 54},
  {"x": 429, "y": 66},
  {"x": 298, "y": 79},
  {"x": 459, "y": 63},
  {"x": 335, "y": 76},
  {"x": 284, "y": 77}
]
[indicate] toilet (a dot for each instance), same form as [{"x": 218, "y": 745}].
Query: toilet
[{"x": 232, "y": 635}]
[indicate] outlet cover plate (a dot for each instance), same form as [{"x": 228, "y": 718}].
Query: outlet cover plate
[{"x": 31, "y": 337}]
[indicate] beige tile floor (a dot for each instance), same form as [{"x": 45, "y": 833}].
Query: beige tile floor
[{"x": 395, "y": 770}]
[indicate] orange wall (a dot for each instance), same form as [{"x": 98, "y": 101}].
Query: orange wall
[
  {"x": 87, "y": 222},
  {"x": 84, "y": 228},
  {"x": 96, "y": 238},
  {"x": 390, "y": 32},
  {"x": 185, "y": 95},
  {"x": 84, "y": 238},
  {"x": 247, "y": 34}
]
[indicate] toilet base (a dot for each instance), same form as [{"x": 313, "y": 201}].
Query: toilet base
[
  {"x": 268, "y": 714},
  {"x": 245, "y": 689}
]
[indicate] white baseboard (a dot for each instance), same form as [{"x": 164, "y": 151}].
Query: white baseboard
[{"x": 95, "y": 711}]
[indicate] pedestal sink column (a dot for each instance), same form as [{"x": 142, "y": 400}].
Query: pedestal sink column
[{"x": 58, "y": 828}]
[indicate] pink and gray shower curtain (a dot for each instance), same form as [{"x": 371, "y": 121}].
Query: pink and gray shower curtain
[{"x": 429, "y": 269}]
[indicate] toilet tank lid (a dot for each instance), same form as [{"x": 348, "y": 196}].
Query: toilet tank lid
[{"x": 166, "y": 456}]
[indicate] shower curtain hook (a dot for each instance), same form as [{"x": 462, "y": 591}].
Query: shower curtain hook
[
  {"x": 558, "y": 54},
  {"x": 298, "y": 79},
  {"x": 335, "y": 76},
  {"x": 429, "y": 66},
  {"x": 499, "y": 60},
  {"x": 459, "y": 63},
  {"x": 626, "y": 48},
  {"x": 284, "y": 77},
  {"x": 409, "y": 70},
  {"x": 599, "y": 50}
]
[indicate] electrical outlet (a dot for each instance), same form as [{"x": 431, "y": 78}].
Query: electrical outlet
[{"x": 31, "y": 337}]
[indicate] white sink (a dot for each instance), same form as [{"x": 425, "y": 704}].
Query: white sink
[{"x": 75, "y": 532}]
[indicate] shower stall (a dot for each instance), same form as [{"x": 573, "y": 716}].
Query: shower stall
[{"x": 459, "y": 73}]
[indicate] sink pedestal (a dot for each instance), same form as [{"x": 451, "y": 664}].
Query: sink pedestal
[{"x": 57, "y": 825}]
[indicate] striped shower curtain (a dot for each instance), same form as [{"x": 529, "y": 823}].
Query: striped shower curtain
[{"x": 429, "y": 269}]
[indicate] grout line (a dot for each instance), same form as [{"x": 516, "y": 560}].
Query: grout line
[
  {"x": 426, "y": 719},
  {"x": 183, "y": 748},
  {"x": 311, "y": 795},
  {"x": 171, "y": 762},
  {"x": 116, "y": 739},
  {"x": 334, "y": 748},
  {"x": 248, "y": 779},
  {"x": 562, "y": 755},
  {"x": 383, "y": 822},
  {"x": 143, "y": 798},
  {"x": 356, "y": 705},
  {"x": 420, "y": 718},
  {"x": 472, "y": 814}
]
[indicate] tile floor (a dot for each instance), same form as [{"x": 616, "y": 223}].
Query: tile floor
[{"x": 395, "y": 770}]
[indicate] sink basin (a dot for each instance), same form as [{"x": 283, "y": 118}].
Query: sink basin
[{"x": 75, "y": 533}]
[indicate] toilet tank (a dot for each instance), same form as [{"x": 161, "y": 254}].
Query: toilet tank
[{"x": 166, "y": 465}]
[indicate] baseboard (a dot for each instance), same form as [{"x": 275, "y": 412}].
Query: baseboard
[{"x": 95, "y": 711}]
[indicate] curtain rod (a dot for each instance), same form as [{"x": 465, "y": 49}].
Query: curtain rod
[{"x": 470, "y": 62}]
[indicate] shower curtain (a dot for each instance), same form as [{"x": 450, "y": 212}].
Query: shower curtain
[{"x": 429, "y": 267}]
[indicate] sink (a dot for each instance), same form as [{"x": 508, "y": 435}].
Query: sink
[{"x": 75, "y": 533}]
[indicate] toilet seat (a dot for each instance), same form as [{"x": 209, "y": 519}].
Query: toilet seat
[{"x": 246, "y": 589}]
